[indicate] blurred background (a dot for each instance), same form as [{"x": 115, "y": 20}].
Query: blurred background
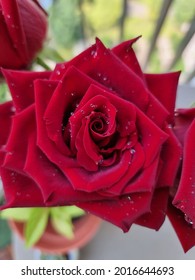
[{"x": 167, "y": 28}]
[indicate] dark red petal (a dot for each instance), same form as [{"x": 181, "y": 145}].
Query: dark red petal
[
  {"x": 21, "y": 86},
  {"x": 8, "y": 55},
  {"x": 121, "y": 212},
  {"x": 183, "y": 229},
  {"x": 69, "y": 91},
  {"x": 22, "y": 123},
  {"x": 83, "y": 159},
  {"x": 103, "y": 66},
  {"x": 55, "y": 187},
  {"x": 185, "y": 196},
  {"x": 152, "y": 137},
  {"x": 183, "y": 119},
  {"x": 156, "y": 217},
  {"x": 171, "y": 157},
  {"x": 12, "y": 18},
  {"x": 164, "y": 88},
  {"x": 6, "y": 113},
  {"x": 34, "y": 22},
  {"x": 125, "y": 52},
  {"x": 43, "y": 93},
  {"x": 20, "y": 190},
  {"x": 145, "y": 181},
  {"x": 136, "y": 163},
  {"x": 88, "y": 181}
]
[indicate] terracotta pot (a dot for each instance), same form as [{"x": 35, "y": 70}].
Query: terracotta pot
[{"x": 52, "y": 242}]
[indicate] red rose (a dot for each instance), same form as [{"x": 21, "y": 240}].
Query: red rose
[
  {"x": 23, "y": 26},
  {"x": 96, "y": 132},
  {"x": 183, "y": 216}
]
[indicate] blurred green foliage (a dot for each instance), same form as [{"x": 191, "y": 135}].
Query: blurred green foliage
[{"x": 78, "y": 22}]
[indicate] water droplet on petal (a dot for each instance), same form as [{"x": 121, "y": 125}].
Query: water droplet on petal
[
  {"x": 13, "y": 109},
  {"x": 188, "y": 220},
  {"x": 132, "y": 151}
]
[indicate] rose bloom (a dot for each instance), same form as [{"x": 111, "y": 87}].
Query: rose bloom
[
  {"x": 96, "y": 132},
  {"x": 23, "y": 27}
]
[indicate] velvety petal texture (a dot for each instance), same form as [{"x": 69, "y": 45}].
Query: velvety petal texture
[
  {"x": 98, "y": 133},
  {"x": 23, "y": 28}
]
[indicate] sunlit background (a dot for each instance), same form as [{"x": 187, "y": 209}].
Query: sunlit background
[{"x": 167, "y": 28}]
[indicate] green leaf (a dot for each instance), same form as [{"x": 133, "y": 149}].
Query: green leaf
[
  {"x": 74, "y": 211},
  {"x": 36, "y": 225},
  {"x": 17, "y": 214},
  {"x": 3, "y": 91},
  {"x": 63, "y": 226}
]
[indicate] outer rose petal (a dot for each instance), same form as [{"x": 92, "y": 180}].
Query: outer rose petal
[
  {"x": 185, "y": 196},
  {"x": 183, "y": 119},
  {"x": 20, "y": 191},
  {"x": 164, "y": 88},
  {"x": 6, "y": 113},
  {"x": 121, "y": 211},
  {"x": 21, "y": 86},
  {"x": 125, "y": 52},
  {"x": 158, "y": 210},
  {"x": 171, "y": 156},
  {"x": 17, "y": 143},
  {"x": 184, "y": 231}
]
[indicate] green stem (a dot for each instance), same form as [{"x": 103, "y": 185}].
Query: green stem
[{"x": 42, "y": 63}]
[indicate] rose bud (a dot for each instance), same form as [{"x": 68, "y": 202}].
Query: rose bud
[{"x": 23, "y": 27}]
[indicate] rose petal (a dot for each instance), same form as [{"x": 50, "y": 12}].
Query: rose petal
[
  {"x": 185, "y": 196},
  {"x": 156, "y": 217},
  {"x": 171, "y": 157},
  {"x": 6, "y": 113},
  {"x": 55, "y": 187},
  {"x": 164, "y": 88},
  {"x": 43, "y": 94},
  {"x": 183, "y": 119},
  {"x": 21, "y": 86},
  {"x": 136, "y": 163},
  {"x": 122, "y": 211},
  {"x": 183, "y": 229},
  {"x": 17, "y": 143},
  {"x": 125, "y": 52},
  {"x": 20, "y": 191},
  {"x": 13, "y": 18},
  {"x": 84, "y": 180}
]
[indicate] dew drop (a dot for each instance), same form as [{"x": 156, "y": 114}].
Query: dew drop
[
  {"x": 101, "y": 161},
  {"x": 94, "y": 53},
  {"x": 63, "y": 66},
  {"x": 132, "y": 151},
  {"x": 188, "y": 220},
  {"x": 13, "y": 109}
]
